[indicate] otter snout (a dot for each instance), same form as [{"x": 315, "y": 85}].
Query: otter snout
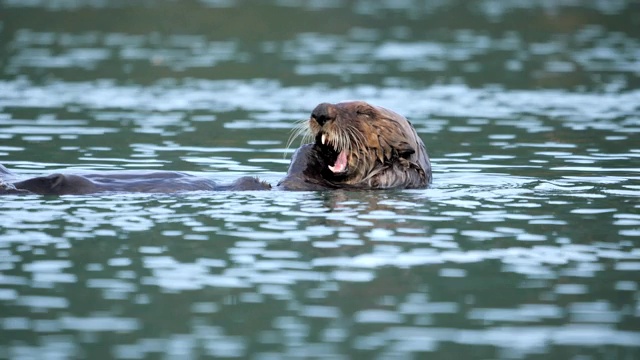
[{"x": 323, "y": 113}]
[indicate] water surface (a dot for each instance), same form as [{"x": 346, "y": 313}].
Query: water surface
[{"x": 526, "y": 245}]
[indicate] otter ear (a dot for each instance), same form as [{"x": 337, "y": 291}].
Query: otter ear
[
  {"x": 404, "y": 149},
  {"x": 393, "y": 140}
]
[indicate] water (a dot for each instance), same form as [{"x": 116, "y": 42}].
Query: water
[{"x": 524, "y": 247}]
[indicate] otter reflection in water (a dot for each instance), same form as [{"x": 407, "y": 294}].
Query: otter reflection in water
[{"x": 354, "y": 145}]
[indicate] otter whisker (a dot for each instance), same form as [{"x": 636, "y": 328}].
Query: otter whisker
[
  {"x": 355, "y": 137},
  {"x": 343, "y": 141},
  {"x": 300, "y": 129}
]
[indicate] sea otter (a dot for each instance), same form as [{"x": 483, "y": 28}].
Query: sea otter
[{"x": 356, "y": 146}]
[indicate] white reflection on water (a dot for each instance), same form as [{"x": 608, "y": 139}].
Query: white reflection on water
[
  {"x": 578, "y": 109},
  {"x": 97, "y": 323}
]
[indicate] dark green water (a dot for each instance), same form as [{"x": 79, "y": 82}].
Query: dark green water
[{"x": 526, "y": 246}]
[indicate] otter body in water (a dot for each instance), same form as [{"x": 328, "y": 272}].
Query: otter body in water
[
  {"x": 355, "y": 146},
  {"x": 358, "y": 146},
  {"x": 125, "y": 182}
]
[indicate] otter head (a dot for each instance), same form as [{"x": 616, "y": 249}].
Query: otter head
[{"x": 367, "y": 146}]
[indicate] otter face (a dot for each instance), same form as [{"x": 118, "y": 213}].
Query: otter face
[{"x": 364, "y": 145}]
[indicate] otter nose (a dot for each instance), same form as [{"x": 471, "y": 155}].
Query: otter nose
[{"x": 323, "y": 113}]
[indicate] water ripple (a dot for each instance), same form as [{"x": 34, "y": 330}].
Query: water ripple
[{"x": 531, "y": 131}]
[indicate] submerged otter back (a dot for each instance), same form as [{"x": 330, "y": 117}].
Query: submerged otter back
[
  {"x": 57, "y": 184},
  {"x": 161, "y": 182}
]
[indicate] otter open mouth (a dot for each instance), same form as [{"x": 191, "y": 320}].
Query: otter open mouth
[
  {"x": 339, "y": 158},
  {"x": 340, "y": 165}
]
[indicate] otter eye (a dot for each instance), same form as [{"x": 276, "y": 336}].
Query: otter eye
[{"x": 363, "y": 112}]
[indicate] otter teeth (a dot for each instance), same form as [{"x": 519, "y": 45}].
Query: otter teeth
[{"x": 323, "y": 139}]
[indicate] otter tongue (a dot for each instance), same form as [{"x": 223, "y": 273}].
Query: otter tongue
[{"x": 341, "y": 163}]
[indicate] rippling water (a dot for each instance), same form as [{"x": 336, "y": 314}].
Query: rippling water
[{"x": 526, "y": 245}]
